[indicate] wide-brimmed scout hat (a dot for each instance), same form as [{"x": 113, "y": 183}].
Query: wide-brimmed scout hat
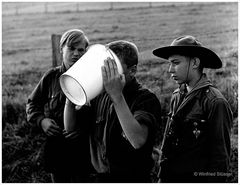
[{"x": 190, "y": 46}]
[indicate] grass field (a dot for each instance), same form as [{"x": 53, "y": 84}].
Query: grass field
[{"x": 27, "y": 52}]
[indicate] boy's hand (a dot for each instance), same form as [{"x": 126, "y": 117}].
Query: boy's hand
[
  {"x": 50, "y": 127},
  {"x": 113, "y": 82}
]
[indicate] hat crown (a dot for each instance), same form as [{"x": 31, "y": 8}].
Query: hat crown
[
  {"x": 186, "y": 41},
  {"x": 189, "y": 46}
]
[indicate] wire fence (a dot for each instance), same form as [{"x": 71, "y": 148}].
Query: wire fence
[{"x": 18, "y": 8}]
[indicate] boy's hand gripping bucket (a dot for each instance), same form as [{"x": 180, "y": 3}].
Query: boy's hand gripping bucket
[{"x": 83, "y": 81}]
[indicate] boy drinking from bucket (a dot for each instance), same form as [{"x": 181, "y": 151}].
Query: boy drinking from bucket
[{"x": 126, "y": 117}]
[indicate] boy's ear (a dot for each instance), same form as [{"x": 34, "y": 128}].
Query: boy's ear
[
  {"x": 133, "y": 70},
  {"x": 196, "y": 62}
]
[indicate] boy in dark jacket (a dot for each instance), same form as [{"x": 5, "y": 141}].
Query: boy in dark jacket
[
  {"x": 196, "y": 145},
  {"x": 66, "y": 155}
]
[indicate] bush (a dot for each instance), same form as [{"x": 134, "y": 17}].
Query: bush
[
  {"x": 233, "y": 166},
  {"x": 21, "y": 147}
]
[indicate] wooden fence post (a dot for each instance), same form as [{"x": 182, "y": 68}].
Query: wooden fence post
[
  {"x": 56, "y": 55},
  {"x": 46, "y": 7},
  {"x": 150, "y": 4},
  {"x": 16, "y": 10},
  {"x": 111, "y": 5},
  {"x": 78, "y": 8}
]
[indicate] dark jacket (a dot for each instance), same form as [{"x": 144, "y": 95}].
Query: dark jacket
[
  {"x": 196, "y": 146},
  {"x": 111, "y": 151},
  {"x": 47, "y": 101}
]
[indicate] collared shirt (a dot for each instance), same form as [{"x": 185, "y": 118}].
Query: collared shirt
[{"x": 110, "y": 150}]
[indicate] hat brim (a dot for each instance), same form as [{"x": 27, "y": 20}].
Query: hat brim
[{"x": 208, "y": 58}]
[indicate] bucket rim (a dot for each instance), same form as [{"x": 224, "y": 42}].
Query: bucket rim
[{"x": 72, "y": 99}]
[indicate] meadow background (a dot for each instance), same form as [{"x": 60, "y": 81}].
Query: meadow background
[{"x": 27, "y": 53}]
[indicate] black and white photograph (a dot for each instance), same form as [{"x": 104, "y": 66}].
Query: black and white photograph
[{"x": 119, "y": 91}]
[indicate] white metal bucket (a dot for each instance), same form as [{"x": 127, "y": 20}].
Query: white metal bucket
[{"x": 83, "y": 81}]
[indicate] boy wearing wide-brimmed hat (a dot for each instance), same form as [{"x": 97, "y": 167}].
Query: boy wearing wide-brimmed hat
[{"x": 196, "y": 145}]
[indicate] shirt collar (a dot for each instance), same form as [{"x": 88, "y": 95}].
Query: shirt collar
[
  {"x": 63, "y": 68},
  {"x": 203, "y": 82}
]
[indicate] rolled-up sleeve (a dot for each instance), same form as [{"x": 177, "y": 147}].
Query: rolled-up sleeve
[
  {"x": 145, "y": 118},
  {"x": 147, "y": 111}
]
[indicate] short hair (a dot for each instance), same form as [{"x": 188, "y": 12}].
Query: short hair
[
  {"x": 73, "y": 36},
  {"x": 126, "y": 51}
]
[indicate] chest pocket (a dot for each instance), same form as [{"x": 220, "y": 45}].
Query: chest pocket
[{"x": 194, "y": 129}]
